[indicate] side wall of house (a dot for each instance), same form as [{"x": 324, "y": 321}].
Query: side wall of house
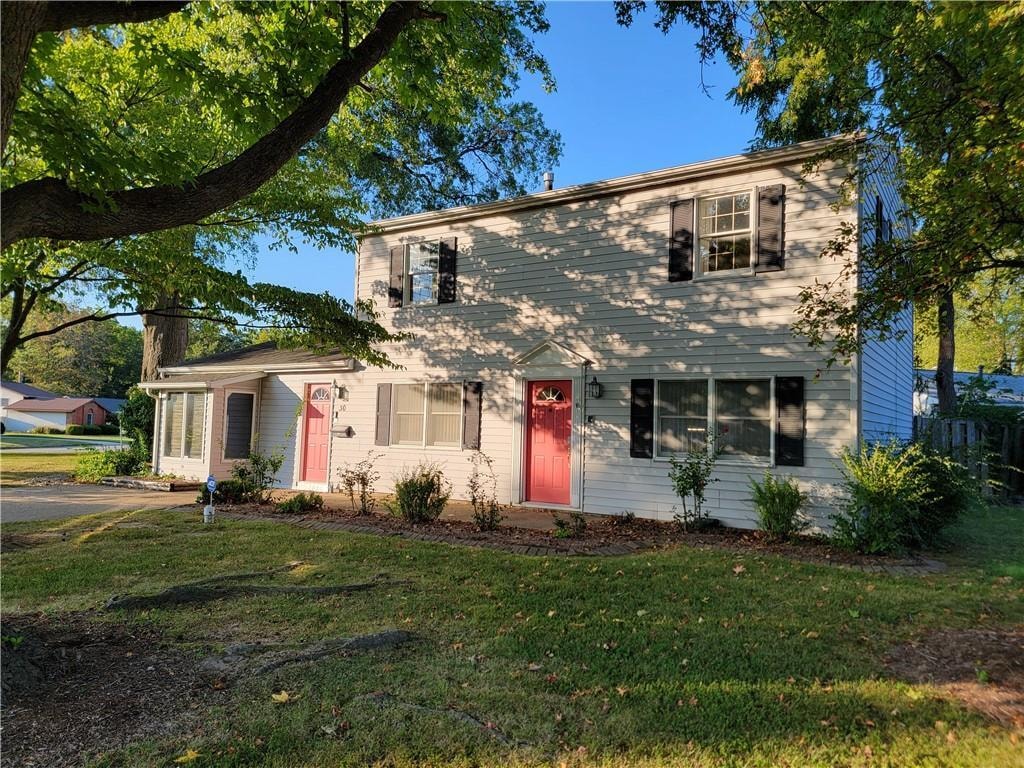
[
  {"x": 592, "y": 276},
  {"x": 219, "y": 466},
  {"x": 886, "y": 365}
]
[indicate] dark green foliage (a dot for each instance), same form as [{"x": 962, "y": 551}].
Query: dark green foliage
[
  {"x": 778, "y": 503},
  {"x": 901, "y": 496},
  {"x": 74, "y": 429},
  {"x": 47, "y": 431},
  {"x": 257, "y": 476},
  {"x": 136, "y": 417},
  {"x": 109, "y": 429},
  {"x": 483, "y": 492},
  {"x": 93, "y": 465},
  {"x": 301, "y": 502},
  {"x": 228, "y": 492},
  {"x": 690, "y": 478},
  {"x": 573, "y": 527},
  {"x": 92, "y": 429},
  {"x": 421, "y": 494}
]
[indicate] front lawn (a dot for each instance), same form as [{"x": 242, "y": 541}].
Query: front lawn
[
  {"x": 678, "y": 657},
  {"x": 27, "y": 441},
  {"x": 18, "y": 468}
]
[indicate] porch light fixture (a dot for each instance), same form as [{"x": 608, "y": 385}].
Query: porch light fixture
[
  {"x": 340, "y": 392},
  {"x": 594, "y": 389}
]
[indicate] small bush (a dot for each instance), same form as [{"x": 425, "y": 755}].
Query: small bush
[
  {"x": 690, "y": 478},
  {"x": 900, "y": 496},
  {"x": 92, "y": 465},
  {"x": 573, "y": 527},
  {"x": 74, "y": 429},
  {"x": 48, "y": 430},
  {"x": 257, "y": 476},
  {"x": 778, "y": 503},
  {"x": 228, "y": 492},
  {"x": 301, "y": 502},
  {"x": 421, "y": 494},
  {"x": 626, "y": 519},
  {"x": 109, "y": 429},
  {"x": 483, "y": 492},
  {"x": 92, "y": 429},
  {"x": 358, "y": 479}
]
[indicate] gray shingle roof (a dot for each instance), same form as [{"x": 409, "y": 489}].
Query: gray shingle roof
[
  {"x": 267, "y": 353},
  {"x": 27, "y": 390}
]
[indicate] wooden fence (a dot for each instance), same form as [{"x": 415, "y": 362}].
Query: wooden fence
[{"x": 994, "y": 453}]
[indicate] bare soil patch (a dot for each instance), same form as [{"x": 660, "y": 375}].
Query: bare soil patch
[
  {"x": 981, "y": 668},
  {"x": 75, "y": 687}
]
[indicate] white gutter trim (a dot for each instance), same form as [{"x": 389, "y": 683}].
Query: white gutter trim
[
  {"x": 748, "y": 161},
  {"x": 340, "y": 365},
  {"x": 177, "y": 384}
]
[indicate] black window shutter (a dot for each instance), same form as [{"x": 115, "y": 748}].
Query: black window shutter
[
  {"x": 396, "y": 289},
  {"x": 680, "y": 248},
  {"x": 771, "y": 229},
  {"x": 879, "y": 220},
  {"x": 446, "y": 271},
  {"x": 641, "y": 418},
  {"x": 472, "y": 401},
  {"x": 789, "y": 435},
  {"x": 383, "y": 414}
]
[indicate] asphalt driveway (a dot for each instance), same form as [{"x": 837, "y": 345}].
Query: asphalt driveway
[{"x": 53, "y": 502}]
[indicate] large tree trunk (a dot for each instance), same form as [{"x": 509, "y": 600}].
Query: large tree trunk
[
  {"x": 947, "y": 353},
  {"x": 164, "y": 337}
]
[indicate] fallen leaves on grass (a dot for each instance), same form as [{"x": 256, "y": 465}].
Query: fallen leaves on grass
[
  {"x": 190, "y": 756},
  {"x": 283, "y": 697}
]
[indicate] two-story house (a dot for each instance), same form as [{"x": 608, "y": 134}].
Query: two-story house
[{"x": 581, "y": 337}]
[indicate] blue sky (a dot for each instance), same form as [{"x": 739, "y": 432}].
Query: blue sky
[{"x": 628, "y": 100}]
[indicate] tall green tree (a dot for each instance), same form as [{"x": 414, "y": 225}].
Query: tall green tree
[
  {"x": 88, "y": 359},
  {"x": 937, "y": 89},
  {"x": 211, "y": 123}
]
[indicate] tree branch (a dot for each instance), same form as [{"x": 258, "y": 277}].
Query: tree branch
[{"x": 50, "y": 208}]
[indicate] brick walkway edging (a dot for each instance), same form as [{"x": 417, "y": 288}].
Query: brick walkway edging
[{"x": 920, "y": 567}]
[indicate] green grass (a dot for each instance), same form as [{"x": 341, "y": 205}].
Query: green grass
[
  {"x": 16, "y": 468},
  {"x": 25, "y": 441},
  {"x": 669, "y": 658}
]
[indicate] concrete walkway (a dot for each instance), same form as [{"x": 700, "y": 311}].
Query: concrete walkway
[{"x": 54, "y": 502}]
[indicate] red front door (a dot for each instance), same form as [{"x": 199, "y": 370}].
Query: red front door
[
  {"x": 317, "y": 431},
  {"x": 548, "y": 439}
]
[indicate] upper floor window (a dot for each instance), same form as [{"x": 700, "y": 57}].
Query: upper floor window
[
  {"x": 423, "y": 261},
  {"x": 724, "y": 233}
]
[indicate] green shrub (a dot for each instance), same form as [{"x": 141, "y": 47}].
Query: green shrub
[
  {"x": 228, "y": 492},
  {"x": 92, "y": 465},
  {"x": 359, "y": 479},
  {"x": 136, "y": 417},
  {"x": 572, "y": 527},
  {"x": 900, "y": 496},
  {"x": 74, "y": 429},
  {"x": 109, "y": 429},
  {"x": 302, "y": 502},
  {"x": 92, "y": 429},
  {"x": 47, "y": 431},
  {"x": 483, "y": 492},
  {"x": 690, "y": 478},
  {"x": 421, "y": 494},
  {"x": 779, "y": 503},
  {"x": 257, "y": 476}
]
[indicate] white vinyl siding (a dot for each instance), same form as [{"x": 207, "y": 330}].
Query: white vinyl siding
[
  {"x": 592, "y": 275},
  {"x": 427, "y": 415}
]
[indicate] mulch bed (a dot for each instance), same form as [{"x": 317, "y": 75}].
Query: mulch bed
[
  {"x": 981, "y": 668},
  {"x": 604, "y": 535},
  {"x": 74, "y": 687}
]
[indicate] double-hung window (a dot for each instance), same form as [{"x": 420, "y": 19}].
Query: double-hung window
[
  {"x": 423, "y": 264},
  {"x": 184, "y": 424},
  {"x": 427, "y": 415},
  {"x": 737, "y": 412},
  {"x": 724, "y": 233}
]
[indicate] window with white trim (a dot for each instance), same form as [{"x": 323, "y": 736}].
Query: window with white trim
[
  {"x": 740, "y": 411},
  {"x": 724, "y": 233},
  {"x": 422, "y": 265},
  {"x": 238, "y": 413},
  {"x": 184, "y": 424},
  {"x": 428, "y": 415},
  {"x": 743, "y": 417}
]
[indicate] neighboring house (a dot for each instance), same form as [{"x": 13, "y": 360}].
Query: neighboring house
[
  {"x": 1006, "y": 391},
  {"x": 13, "y": 391},
  {"x": 580, "y": 337},
  {"x": 29, "y": 413}
]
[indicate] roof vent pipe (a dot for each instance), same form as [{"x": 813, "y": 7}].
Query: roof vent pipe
[{"x": 549, "y": 181}]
